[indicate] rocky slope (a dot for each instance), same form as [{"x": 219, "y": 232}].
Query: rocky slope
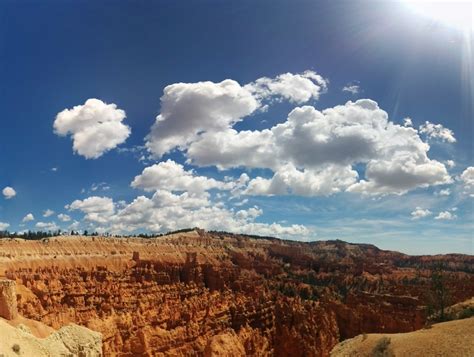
[
  {"x": 453, "y": 338},
  {"x": 25, "y": 337},
  {"x": 200, "y": 293}
]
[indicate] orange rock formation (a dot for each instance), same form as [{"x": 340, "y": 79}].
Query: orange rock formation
[{"x": 205, "y": 294}]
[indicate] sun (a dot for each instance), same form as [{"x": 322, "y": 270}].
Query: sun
[{"x": 458, "y": 14}]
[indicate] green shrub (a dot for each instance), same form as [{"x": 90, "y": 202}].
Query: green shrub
[
  {"x": 16, "y": 348},
  {"x": 382, "y": 348}
]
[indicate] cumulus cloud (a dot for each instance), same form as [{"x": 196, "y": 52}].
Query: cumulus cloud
[
  {"x": 95, "y": 127},
  {"x": 437, "y": 131},
  {"x": 445, "y": 215},
  {"x": 97, "y": 209},
  {"x": 166, "y": 211},
  {"x": 420, "y": 213},
  {"x": 8, "y": 192},
  {"x": 189, "y": 110},
  {"x": 296, "y": 88},
  {"x": 467, "y": 178},
  {"x": 171, "y": 176},
  {"x": 48, "y": 212},
  {"x": 288, "y": 180},
  {"x": 313, "y": 144},
  {"x": 47, "y": 226},
  {"x": 4, "y": 226},
  {"x": 28, "y": 218},
  {"x": 64, "y": 217}
]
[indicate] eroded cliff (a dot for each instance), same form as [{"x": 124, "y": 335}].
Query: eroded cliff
[{"x": 187, "y": 294}]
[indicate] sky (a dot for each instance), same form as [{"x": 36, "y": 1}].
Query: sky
[{"x": 306, "y": 120}]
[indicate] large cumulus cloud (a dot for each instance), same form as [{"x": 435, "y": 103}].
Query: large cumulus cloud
[
  {"x": 316, "y": 152},
  {"x": 190, "y": 109},
  {"x": 95, "y": 127}
]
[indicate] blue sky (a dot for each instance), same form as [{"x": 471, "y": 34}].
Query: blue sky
[{"x": 356, "y": 171}]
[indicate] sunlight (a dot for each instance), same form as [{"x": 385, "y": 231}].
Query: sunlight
[{"x": 458, "y": 14}]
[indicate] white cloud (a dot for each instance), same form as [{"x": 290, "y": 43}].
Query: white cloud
[
  {"x": 8, "y": 192},
  {"x": 95, "y": 127},
  {"x": 64, "y": 217},
  {"x": 241, "y": 203},
  {"x": 230, "y": 148},
  {"x": 171, "y": 176},
  {"x": 450, "y": 163},
  {"x": 74, "y": 226},
  {"x": 288, "y": 179},
  {"x": 4, "y": 226},
  {"x": 47, "y": 226},
  {"x": 189, "y": 110},
  {"x": 100, "y": 186},
  {"x": 97, "y": 209},
  {"x": 166, "y": 211},
  {"x": 420, "y": 213},
  {"x": 351, "y": 88},
  {"x": 407, "y": 122},
  {"x": 313, "y": 142},
  {"x": 54, "y": 169},
  {"x": 445, "y": 215},
  {"x": 48, "y": 213},
  {"x": 444, "y": 192},
  {"x": 28, "y": 218},
  {"x": 296, "y": 88},
  {"x": 437, "y": 131},
  {"x": 467, "y": 178}
]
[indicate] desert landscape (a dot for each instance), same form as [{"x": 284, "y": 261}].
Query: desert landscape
[{"x": 199, "y": 293}]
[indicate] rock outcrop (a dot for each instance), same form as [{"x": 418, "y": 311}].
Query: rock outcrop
[
  {"x": 20, "y": 336},
  {"x": 8, "y": 308},
  {"x": 195, "y": 293}
]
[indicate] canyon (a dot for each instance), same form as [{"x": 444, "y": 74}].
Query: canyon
[{"x": 199, "y": 293}]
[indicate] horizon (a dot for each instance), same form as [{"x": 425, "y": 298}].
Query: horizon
[
  {"x": 86, "y": 234},
  {"x": 306, "y": 121}
]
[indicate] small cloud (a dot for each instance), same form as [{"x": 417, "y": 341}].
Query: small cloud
[
  {"x": 445, "y": 215},
  {"x": 8, "y": 192},
  {"x": 450, "y": 163},
  {"x": 100, "y": 186},
  {"x": 54, "y": 169},
  {"x": 437, "y": 131},
  {"x": 241, "y": 203},
  {"x": 351, "y": 88},
  {"x": 48, "y": 213},
  {"x": 445, "y": 192},
  {"x": 28, "y": 218},
  {"x": 4, "y": 226},
  {"x": 407, "y": 122},
  {"x": 48, "y": 226},
  {"x": 420, "y": 213},
  {"x": 74, "y": 226},
  {"x": 64, "y": 217}
]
